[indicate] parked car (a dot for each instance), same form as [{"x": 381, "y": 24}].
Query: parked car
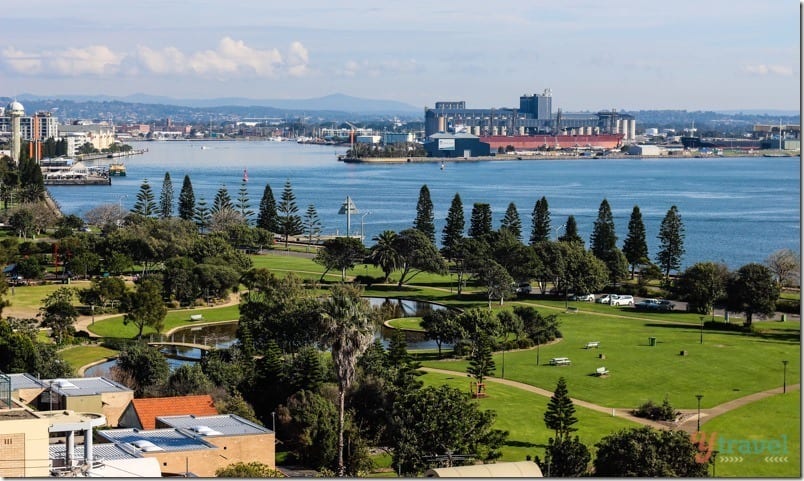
[
  {"x": 584, "y": 297},
  {"x": 625, "y": 300},
  {"x": 524, "y": 288},
  {"x": 647, "y": 305},
  {"x": 654, "y": 305},
  {"x": 666, "y": 305},
  {"x": 604, "y": 299}
]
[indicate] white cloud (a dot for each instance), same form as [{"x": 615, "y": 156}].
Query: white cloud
[
  {"x": 763, "y": 69},
  {"x": 298, "y": 60},
  {"x": 20, "y": 62},
  {"x": 165, "y": 61},
  {"x": 375, "y": 69},
  {"x": 229, "y": 59},
  {"x": 93, "y": 60}
]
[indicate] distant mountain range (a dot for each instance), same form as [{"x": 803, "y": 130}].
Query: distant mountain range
[{"x": 335, "y": 102}]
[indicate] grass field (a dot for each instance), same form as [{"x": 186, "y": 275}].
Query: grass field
[
  {"x": 520, "y": 413},
  {"x": 771, "y": 419},
  {"x": 114, "y": 327},
  {"x": 725, "y": 367},
  {"x": 79, "y": 356}
]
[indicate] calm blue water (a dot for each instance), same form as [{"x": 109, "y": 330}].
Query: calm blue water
[{"x": 735, "y": 210}]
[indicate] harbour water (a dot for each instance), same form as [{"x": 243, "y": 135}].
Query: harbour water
[{"x": 734, "y": 210}]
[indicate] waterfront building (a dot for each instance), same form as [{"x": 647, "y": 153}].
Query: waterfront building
[
  {"x": 100, "y": 135},
  {"x": 461, "y": 145},
  {"x": 533, "y": 117}
]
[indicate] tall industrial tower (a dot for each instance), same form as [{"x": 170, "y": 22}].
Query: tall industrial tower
[{"x": 15, "y": 111}]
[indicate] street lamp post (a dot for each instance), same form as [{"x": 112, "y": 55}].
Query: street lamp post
[
  {"x": 92, "y": 308},
  {"x": 348, "y": 207},
  {"x": 699, "y": 396},
  {"x": 273, "y": 424},
  {"x": 702, "y": 320},
  {"x": 784, "y": 377},
  {"x": 538, "y": 344},
  {"x": 559, "y": 228},
  {"x": 714, "y": 463}
]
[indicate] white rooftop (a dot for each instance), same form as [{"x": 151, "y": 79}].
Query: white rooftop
[
  {"x": 220, "y": 425},
  {"x": 155, "y": 440},
  {"x": 84, "y": 386}
]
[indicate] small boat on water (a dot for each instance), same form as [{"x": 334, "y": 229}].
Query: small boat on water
[
  {"x": 117, "y": 170},
  {"x": 245, "y": 175}
]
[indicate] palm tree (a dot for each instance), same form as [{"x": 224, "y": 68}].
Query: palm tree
[
  {"x": 348, "y": 332},
  {"x": 383, "y": 254}
]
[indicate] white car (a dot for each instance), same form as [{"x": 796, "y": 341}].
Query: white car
[
  {"x": 604, "y": 299},
  {"x": 584, "y": 297},
  {"x": 625, "y": 300}
]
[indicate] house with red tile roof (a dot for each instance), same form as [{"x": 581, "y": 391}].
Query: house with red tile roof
[{"x": 142, "y": 413}]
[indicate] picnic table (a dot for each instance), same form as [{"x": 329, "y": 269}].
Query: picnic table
[{"x": 560, "y": 361}]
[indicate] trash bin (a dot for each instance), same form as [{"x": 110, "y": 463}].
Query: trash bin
[
  {"x": 726, "y": 316},
  {"x": 784, "y": 317},
  {"x": 652, "y": 341}
]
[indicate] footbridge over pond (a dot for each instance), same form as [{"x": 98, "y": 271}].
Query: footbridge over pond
[{"x": 174, "y": 349}]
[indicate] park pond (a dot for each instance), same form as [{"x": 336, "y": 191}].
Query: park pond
[{"x": 223, "y": 335}]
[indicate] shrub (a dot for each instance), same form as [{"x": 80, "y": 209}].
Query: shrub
[
  {"x": 788, "y": 306},
  {"x": 728, "y": 326},
  {"x": 649, "y": 410}
]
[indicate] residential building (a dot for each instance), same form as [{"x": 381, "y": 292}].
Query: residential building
[{"x": 142, "y": 413}]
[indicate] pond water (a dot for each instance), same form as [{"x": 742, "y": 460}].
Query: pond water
[{"x": 224, "y": 335}]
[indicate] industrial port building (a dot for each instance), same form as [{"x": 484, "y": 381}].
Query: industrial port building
[{"x": 533, "y": 124}]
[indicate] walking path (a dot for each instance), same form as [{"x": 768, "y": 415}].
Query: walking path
[
  {"x": 689, "y": 421},
  {"x": 83, "y": 322}
]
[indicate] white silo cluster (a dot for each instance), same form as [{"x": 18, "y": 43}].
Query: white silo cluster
[{"x": 627, "y": 127}]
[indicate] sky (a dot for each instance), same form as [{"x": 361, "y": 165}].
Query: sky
[{"x": 592, "y": 54}]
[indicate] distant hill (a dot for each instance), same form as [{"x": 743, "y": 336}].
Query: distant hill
[{"x": 334, "y": 102}]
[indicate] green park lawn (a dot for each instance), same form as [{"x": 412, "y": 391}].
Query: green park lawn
[
  {"x": 407, "y": 323},
  {"x": 114, "y": 327},
  {"x": 521, "y": 414},
  {"x": 766, "y": 420},
  {"x": 78, "y": 356},
  {"x": 725, "y": 367}
]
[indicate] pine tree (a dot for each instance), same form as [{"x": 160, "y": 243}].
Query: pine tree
[
  {"x": 541, "y": 222},
  {"x": 560, "y": 413},
  {"x": 166, "y": 198},
  {"x": 312, "y": 225},
  {"x": 202, "y": 215},
  {"x": 424, "y": 214},
  {"x": 267, "y": 217},
  {"x": 222, "y": 201},
  {"x": 511, "y": 222},
  {"x": 571, "y": 232},
  {"x": 481, "y": 363},
  {"x": 187, "y": 200},
  {"x": 243, "y": 205},
  {"x": 289, "y": 221},
  {"x": 405, "y": 370},
  {"x": 635, "y": 247},
  {"x": 480, "y": 222},
  {"x": 454, "y": 227},
  {"x": 671, "y": 241},
  {"x": 145, "y": 205},
  {"x": 604, "y": 238}
]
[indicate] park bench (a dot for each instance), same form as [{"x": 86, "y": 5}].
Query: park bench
[
  {"x": 572, "y": 310},
  {"x": 601, "y": 371},
  {"x": 591, "y": 344},
  {"x": 560, "y": 361},
  {"x": 196, "y": 317}
]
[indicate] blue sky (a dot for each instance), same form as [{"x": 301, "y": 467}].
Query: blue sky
[{"x": 593, "y": 54}]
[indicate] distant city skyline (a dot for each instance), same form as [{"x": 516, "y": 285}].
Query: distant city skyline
[{"x": 623, "y": 54}]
